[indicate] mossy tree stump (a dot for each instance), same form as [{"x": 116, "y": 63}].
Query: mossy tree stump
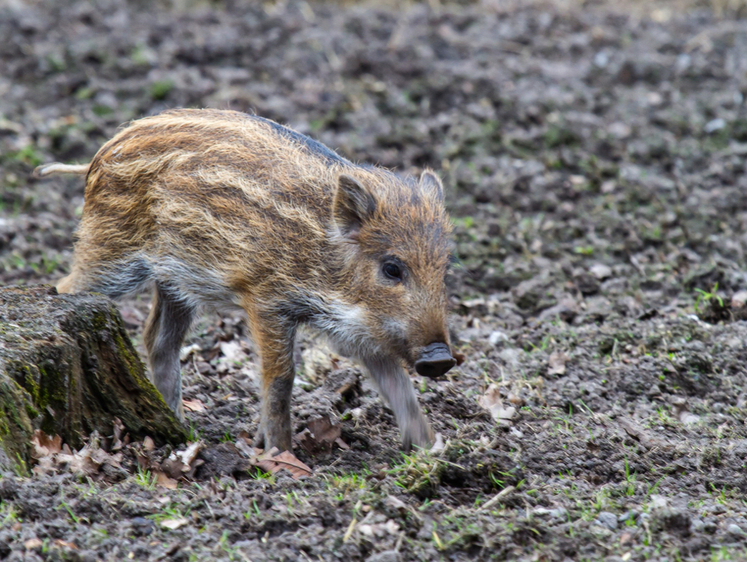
[{"x": 67, "y": 366}]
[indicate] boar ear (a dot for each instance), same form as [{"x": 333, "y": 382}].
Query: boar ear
[
  {"x": 353, "y": 204},
  {"x": 431, "y": 183}
]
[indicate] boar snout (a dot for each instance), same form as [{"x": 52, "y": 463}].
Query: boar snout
[{"x": 435, "y": 361}]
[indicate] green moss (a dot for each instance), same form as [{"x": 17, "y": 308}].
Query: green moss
[
  {"x": 15, "y": 427},
  {"x": 32, "y": 386}
]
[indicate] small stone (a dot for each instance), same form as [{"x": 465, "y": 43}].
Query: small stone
[
  {"x": 395, "y": 503},
  {"x": 658, "y": 502},
  {"x": 142, "y": 526},
  {"x": 714, "y": 125},
  {"x": 587, "y": 284},
  {"x": 607, "y": 520},
  {"x": 627, "y": 516},
  {"x": 601, "y": 59},
  {"x": 203, "y": 368},
  {"x": 672, "y": 521},
  {"x": 600, "y": 271},
  {"x": 566, "y": 310},
  {"x": 515, "y": 399},
  {"x": 497, "y": 337},
  {"x": 511, "y": 357},
  {"x": 739, "y": 299},
  {"x": 385, "y": 556},
  {"x": 736, "y": 530},
  {"x": 688, "y": 418}
]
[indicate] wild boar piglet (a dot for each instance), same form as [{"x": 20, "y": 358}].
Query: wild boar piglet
[{"x": 224, "y": 210}]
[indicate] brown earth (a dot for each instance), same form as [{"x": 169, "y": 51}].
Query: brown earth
[{"x": 594, "y": 161}]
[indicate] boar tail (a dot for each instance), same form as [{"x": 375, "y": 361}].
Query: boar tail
[{"x": 57, "y": 168}]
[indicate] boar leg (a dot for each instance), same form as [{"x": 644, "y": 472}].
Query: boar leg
[
  {"x": 396, "y": 387},
  {"x": 274, "y": 341},
  {"x": 167, "y": 324}
]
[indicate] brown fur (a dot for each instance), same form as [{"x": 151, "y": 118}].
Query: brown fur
[{"x": 222, "y": 209}]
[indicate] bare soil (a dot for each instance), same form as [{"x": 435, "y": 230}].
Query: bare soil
[{"x": 594, "y": 161}]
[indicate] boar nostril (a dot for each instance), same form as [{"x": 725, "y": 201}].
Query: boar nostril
[{"x": 435, "y": 360}]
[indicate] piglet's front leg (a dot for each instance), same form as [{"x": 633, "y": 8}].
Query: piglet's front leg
[
  {"x": 274, "y": 340},
  {"x": 396, "y": 388}
]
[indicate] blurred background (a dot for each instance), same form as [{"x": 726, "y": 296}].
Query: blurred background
[{"x": 568, "y": 133}]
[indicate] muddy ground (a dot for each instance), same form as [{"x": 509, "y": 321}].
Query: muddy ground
[{"x": 594, "y": 162}]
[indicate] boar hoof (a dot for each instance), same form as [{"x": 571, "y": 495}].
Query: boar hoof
[
  {"x": 279, "y": 438},
  {"x": 419, "y": 434}
]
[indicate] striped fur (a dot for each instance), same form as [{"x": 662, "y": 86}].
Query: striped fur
[{"x": 221, "y": 209}]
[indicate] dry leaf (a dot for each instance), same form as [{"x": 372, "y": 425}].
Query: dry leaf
[
  {"x": 132, "y": 317},
  {"x": 87, "y": 461},
  {"x": 556, "y": 363},
  {"x": 438, "y": 445},
  {"x": 31, "y": 544},
  {"x": 493, "y": 403},
  {"x": 460, "y": 357},
  {"x": 195, "y": 405},
  {"x": 166, "y": 482},
  {"x": 231, "y": 350},
  {"x": 65, "y": 544},
  {"x": 44, "y": 445},
  {"x": 148, "y": 444},
  {"x": 188, "y": 456},
  {"x": 174, "y": 523},
  {"x": 320, "y": 436},
  {"x": 187, "y": 351},
  {"x": 324, "y": 431},
  {"x": 118, "y": 431},
  {"x": 285, "y": 460}
]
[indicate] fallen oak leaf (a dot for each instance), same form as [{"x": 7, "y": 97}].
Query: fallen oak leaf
[
  {"x": 195, "y": 405},
  {"x": 320, "y": 435},
  {"x": 164, "y": 481},
  {"x": 44, "y": 445},
  {"x": 272, "y": 463}
]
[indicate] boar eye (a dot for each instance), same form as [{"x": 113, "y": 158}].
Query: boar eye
[{"x": 392, "y": 271}]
